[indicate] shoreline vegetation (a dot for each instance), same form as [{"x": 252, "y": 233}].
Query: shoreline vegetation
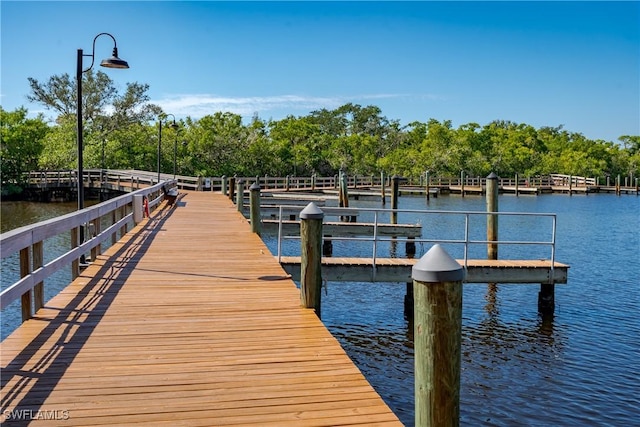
[{"x": 122, "y": 131}]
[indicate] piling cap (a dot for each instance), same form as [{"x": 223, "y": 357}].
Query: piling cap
[
  {"x": 492, "y": 175},
  {"x": 255, "y": 186},
  {"x": 437, "y": 266},
  {"x": 311, "y": 211}
]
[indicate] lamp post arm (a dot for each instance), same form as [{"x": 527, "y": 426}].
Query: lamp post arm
[{"x": 93, "y": 50}]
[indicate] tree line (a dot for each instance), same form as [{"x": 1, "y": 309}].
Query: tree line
[{"x": 121, "y": 132}]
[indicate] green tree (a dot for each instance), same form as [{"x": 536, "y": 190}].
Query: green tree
[{"x": 21, "y": 144}]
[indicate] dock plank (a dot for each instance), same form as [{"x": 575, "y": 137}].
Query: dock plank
[{"x": 189, "y": 320}]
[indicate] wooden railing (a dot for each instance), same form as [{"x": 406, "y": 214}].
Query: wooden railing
[
  {"x": 28, "y": 242},
  {"x": 128, "y": 180}
]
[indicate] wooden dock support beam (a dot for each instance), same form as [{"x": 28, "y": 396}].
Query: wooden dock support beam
[
  {"x": 546, "y": 298},
  {"x": 408, "y": 302},
  {"x": 437, "y": 287},
  {"x": 311, "y": 257}
]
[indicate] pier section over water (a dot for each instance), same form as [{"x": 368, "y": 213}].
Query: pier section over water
[{"x": 189, "y": 320}]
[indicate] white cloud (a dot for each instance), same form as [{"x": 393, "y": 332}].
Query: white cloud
[{"x": 199, "y": 105}]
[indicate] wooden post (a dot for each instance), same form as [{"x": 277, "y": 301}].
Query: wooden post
[
  {"x": 38, "y": 261},
  {"x": 618, "y": 185},
  {"x": 232, "y": 187},
  {"x": 138, "y": 208},
  {"x": 25, "y": 269},
  {"x": 437, "y": 289},
  {"x": 570, "y": 185},
  {"x": 382, "y": 190},
  {"x": 343, "y": 196},
  {"x": 311, "y": 257},
  {"x": 492, "y": 220},
  {"x": 546, "y": 298},
  {"x": 427, "y": 184},
  {"x": 517, "y": 183},
  {"x": 395, "y": 184},
  {"x": 240, "y": 196},
  {"x": 462, "y": 183},
  {"x": 223, "y": 184},
  {"x": 636, "y": 186},
  {"x": 254, "y": 208},
  {"x": 313, "y": 182},
  {"x": 408, "y": 302},
  {"x": 287, "y": 184}
]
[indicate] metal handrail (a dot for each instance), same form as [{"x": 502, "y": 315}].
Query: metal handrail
[{"x": 467, "y": 241}]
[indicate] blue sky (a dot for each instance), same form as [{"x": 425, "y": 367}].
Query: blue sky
[{"x": 575, "y": 64}]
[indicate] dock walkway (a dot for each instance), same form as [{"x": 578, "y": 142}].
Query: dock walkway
[{"x": 188, "y": 320}]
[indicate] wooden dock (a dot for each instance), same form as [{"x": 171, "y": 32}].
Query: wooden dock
[
  {"x": 348, "y": 269},
  {"x": 188, "y": 320}
]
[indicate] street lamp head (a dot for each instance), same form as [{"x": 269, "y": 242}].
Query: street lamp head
[{"x": 114, "y": 61}]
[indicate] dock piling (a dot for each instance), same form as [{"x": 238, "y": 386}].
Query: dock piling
[
  {"x": 311, "y": 257},
  {"x": 437, "y": 287},
  {"x": 492, "y": 220},
  {"x": 395, "y": 191},
  {"x": 223, "y": 185},
  {"x": 546, "y": 298},
  {"x": 240, "y": 196},
  {"x": 254, "y": 208}
]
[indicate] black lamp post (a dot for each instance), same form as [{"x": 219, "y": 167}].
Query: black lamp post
[
  {"x": 113, "y": 62},
  {"x": 175, "y": 152},
  {"x": 174, "y": 125}
]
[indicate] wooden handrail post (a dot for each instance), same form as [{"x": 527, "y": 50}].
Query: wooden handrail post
[
  {"x": 232, "y": 187},
  {"x": 254, "y": 208},
  {"x": 492, "y": 220},
  {"x": 462, "y": 183},
  {"x": 25, "y": 269},
  {"x": 240, "y": 195},
  {"x": 223, "y": 190},
  {"x": 311, "y": 257},
  {"x": 437, "y": 289},
  {"x": 138, "y": 208}
]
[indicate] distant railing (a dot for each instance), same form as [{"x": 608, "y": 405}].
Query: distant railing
[
  {"x": 127, "y": 180},
  {"x": 28, "y": 242}
]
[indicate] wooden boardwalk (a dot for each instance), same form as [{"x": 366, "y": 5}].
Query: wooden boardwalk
[{"x": 188, "y": 320}]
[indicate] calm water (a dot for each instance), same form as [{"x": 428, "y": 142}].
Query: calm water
[{"x": 578, "y": 368}]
